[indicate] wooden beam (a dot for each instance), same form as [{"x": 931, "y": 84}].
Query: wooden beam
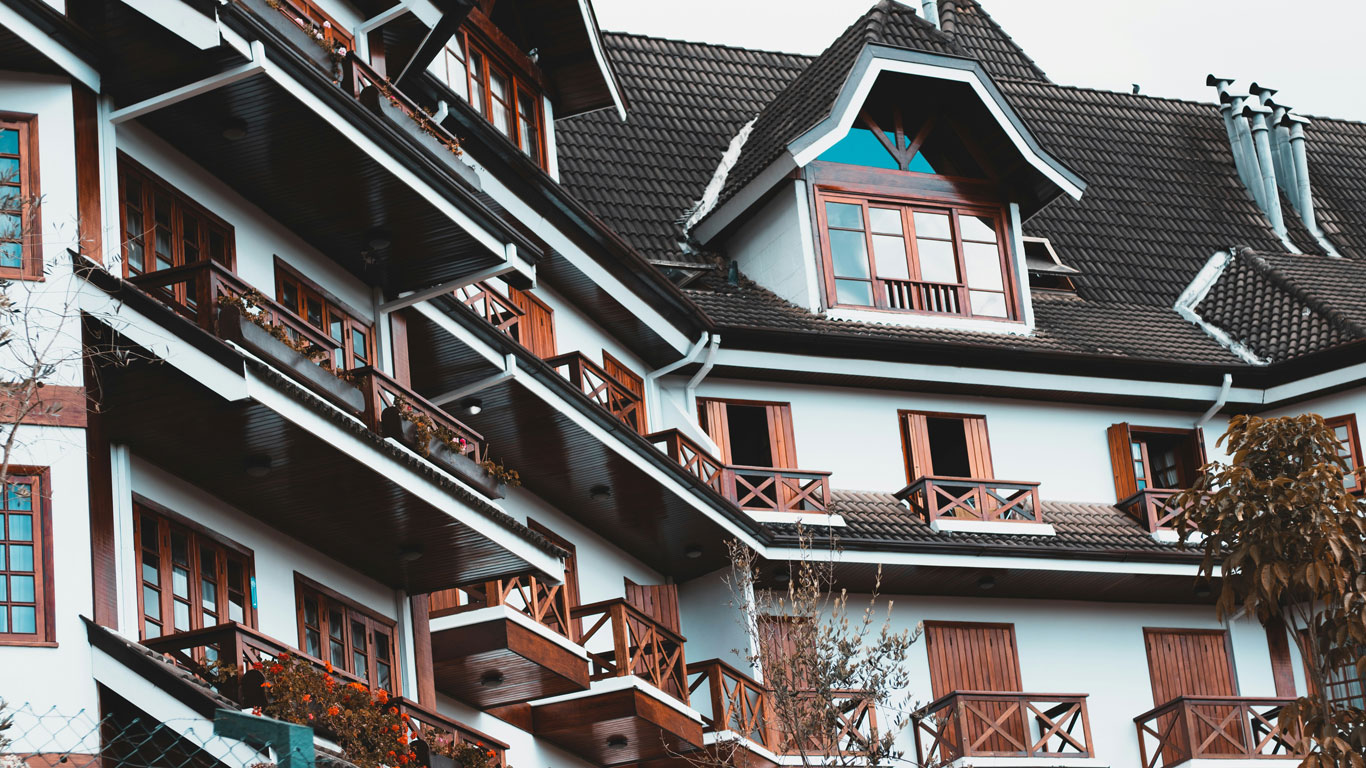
[
  {"x": 435, "y": 40},
  {"x": 422, "y": 651}
]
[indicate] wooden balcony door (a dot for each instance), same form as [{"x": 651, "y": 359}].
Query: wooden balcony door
[
  {"x": 660, "y": 603},
  {"x": 633, "y": 384},
  {"x": 751, "y": 433},
  {"x": 536, "y": 331},
  {"x": 978, "y": 657},
  {"x": 1194, "y": 662},
  {"x": 945, "y": 445}
]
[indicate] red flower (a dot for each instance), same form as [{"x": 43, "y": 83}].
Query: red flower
[
  {"x": 276, "y": 669},
  {"x": 256, "y": 665},
  {"x": 393, "y": 710},
  {"x": 334, "y": 711},
  {"x": 310, "y": 715},
  {"x": 357, "y": 686},
  {"x": 307, "y": 697},
  {"x": 328, "y": 664},
  {"x": 394, "y": 728},
  {"x": 284, "y": 656},
  {"x": 266, "y": 684}
]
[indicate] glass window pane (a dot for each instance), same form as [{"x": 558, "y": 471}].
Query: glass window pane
[
  {"x": 358, "y": 344},
  {"x": 180, "y": 582},
  {"x": 937, "y": 263},
  {"x": 313, "y": 312},
  {"x": 335, "y": 624},
  {"x": 20, "y": 496},
  {"x": 9, "y": 169},
  {"x": 885, "y": 220},
  {"x": 209, "y": 595},
  {"x": 182, "y": 615},
  {"x": 313, "y": 645},
  {"x": 4, "y": 619},
  {"x": 980, "y": 228},
  {"x": 848, "y": 253},
  {"x": 20, "y": 557},
  {"x": 359, "y": 666},
  {"x": 932, "y": 225},
  {"x": 9, "y": 141},
  {"x": 338, "y": 654},
  {"x": 382, "y": 677},
  {"x": 983, "y": 263},
  {"x": 988, "y": 304},
  {"x": 358, "y": 637},
  {"x": 855, "y": 292},
  {"x": 11, "y": 255},
  {"x": 21, "y": 527},
  {"x": 844, "y": 216},
  {"x": 11, "y": 225},
  {"x": 4, "y": 589},
  {"x": 180, "y": 548},
  {"x": 151, "y": 631},
  {"x": 21, "y": 589},
  {"x": 890, "y": 253},
  {"x": 151, "y": 602},
  {"x": 24, "y": 619},
  {"x": 150, "y": 574},
  {"x": 289, "y": 296},
  {"x": 456, "y": 77}
]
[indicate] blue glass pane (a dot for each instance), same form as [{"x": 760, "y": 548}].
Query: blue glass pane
[
  {"x": 20, "y": 496},
  {"x": 21, "y": 527},
  {"x": 21, "y": 589},
  {"x": 11, "y": 255},
  {"x": 20, "y": 557},
  {"x": 861, "y": 147},
  {"x": 9, "y": 141},
  {"x": 920, "y": 165},
  {"x": 24, "y": 619},
  {"x": 9, "y": 169},
  {"x": 4, "y": 620}
]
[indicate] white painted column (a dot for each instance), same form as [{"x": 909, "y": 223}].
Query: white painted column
[
  {"x": 125, "y": 546},
  {"x": 407, "y": 643}
]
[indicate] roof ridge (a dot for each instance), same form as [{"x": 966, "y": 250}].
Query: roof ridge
[
  {"x": 1268, "y": 270},
  {"x": 706, "y": 44},
  {"x": 952, "y": 9}
]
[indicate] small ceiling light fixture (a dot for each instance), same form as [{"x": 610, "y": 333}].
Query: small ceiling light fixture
[
  {"x": 618, "y": 741},
  {"x": 782, "y": 576},
  {"x": 234, "y": 129},
  {"x": 1202, "y": 589},
  {"x": 378, "y": 239},
  {"x": 599, "y": 492},
  {"x": 491, "y": 679},
  {"x": 259, "y": 465},
  {"x": 409, "y": 553},
  {"x": 986, "y": 583},
  {"x": 692, "y": 551},
  {"x": 472, "y": 405}
]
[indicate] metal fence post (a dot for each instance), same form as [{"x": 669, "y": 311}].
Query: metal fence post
[{"x": 293, "y": 744}]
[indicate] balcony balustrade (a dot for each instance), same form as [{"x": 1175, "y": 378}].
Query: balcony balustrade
[
  {"x": 496, "y": 309},
  {"x": 601, "y": 387},
  {"x": 753, "y": 489},
  {"x": 975, "y": 724},
  {"x": 239, "y": 645},
  {"x": 1211, "y": 727},
  {"x": 962, "y": 498},
  {"x": 544, "y": 603},
  {"x": 921, "y": 296},
  {"x": 1153, "y": 508},
  {"x": 641, "y": 647}
]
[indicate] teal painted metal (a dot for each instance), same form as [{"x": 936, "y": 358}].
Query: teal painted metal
[{"x": 293, "y": 744}]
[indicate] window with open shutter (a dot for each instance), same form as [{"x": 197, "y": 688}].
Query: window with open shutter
[
  {"x": 1154, "y": 458},
  {"x": 536, "y": 330},
  {"x": 750, "y": 433},
  {"x": 945, "y": 445}
]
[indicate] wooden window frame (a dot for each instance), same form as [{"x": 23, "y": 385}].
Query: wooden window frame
[
  {"x": 908, "y": 204},
  {"x": 30, "y": 235},
  {"x": 352, "y": 612},
  {"x": 180, "y": 204},
  {"x": 495, "y": 53},
  {"x": 783, "y": 451},
  {"x": 1126, "y": 482},
  {"x": 44, "y": 593},
  {"x": 199, "y": 537},
  {"x": 982, "y": 458},
  {"x": 1353, "y": 445},
  {"x": 351, "y": 318}
]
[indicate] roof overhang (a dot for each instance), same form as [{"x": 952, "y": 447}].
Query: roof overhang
[{"x": 873, "y": 61}]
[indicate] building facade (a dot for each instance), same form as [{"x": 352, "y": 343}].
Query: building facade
[{"x": 448, "y": 344}]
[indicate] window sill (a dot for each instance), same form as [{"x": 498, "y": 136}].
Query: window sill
[
  {"x": 923, "y": 320},
  {"x": 17, "y": 643}
]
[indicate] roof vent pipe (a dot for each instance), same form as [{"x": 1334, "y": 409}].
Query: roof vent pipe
[
  {"x": 1222, "y": 84},
  {"x": 1285, "y": 157},
  {"x": 930, "y": 10},
  {"x": 1245, "y": 145},
  {"x": 1262, "y": 140},
  {"x": 1304, "y": 194}
]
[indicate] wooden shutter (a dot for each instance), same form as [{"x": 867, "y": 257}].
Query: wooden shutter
[
  {"x": 1282, "y": 668},
  {"x": 712, "y": 414},
  {"x": 658, "y": 601},
  {"x": 782, "y": 443},
  {"x": 1121, "y": 461},
  {"x": 979, "y": 448},
  {"x": 571, "y": 574},
  {"x": 916, "y": 439},
  {"x": 1185, "y": 662},
  {"x": 978, "y": 657},
  {"x": 633, "y": 383},
  {"x": 1192, "y": 457},
  {"x": 537, "y": 327}
]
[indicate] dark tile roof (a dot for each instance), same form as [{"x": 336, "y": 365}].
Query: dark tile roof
[
  {"x": 875, "y": 519},
  {"x": 687, "y": 101},
  {"x": 982, "y": 38}
]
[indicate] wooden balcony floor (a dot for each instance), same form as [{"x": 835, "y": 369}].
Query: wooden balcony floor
[
  {"x": 530, "y": 665},
  {"x": 652, "y": 729}
]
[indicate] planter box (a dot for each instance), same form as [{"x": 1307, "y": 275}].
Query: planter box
[
  {"x": 232, "y": 326},
  {"x": 278, "y": 21},
  {"x": 458, "y": 464},
  {"x": 380, "y": 104}
]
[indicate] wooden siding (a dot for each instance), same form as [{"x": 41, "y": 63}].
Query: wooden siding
[{"x": 1189, "y": 662}]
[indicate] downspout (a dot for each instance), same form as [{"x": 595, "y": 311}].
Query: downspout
[
  {"x": 1218, "y": 401},
  {"x": 653, "y": 376},
  {"x": 1304, "y": 194},
  {"x": 690, "y": 392}
]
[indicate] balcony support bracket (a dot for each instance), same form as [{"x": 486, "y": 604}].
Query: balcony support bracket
[
  {"x": 508, "y": 372},
  {"x": 256, "y": 66},
  {"x": 450, "y": 286}
]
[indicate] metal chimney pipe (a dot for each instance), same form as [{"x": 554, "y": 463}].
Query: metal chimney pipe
[
  {"x": 1280, "y": 147},
  {"x": 1262, "y": 140},
  {"x": 1245, "y": 145},
  {"x": 1300, "y": 155},
  {"x": 930, "y": 10}
]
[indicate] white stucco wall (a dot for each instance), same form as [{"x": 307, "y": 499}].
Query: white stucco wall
[{"x": 774, "y": 247}]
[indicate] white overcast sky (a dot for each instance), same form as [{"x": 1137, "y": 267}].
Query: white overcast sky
[{"x": 1312, "y": 50}]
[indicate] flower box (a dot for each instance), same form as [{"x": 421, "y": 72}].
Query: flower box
[
  {"x": 235, "y": 327},
  {"x": 380, "y": 104},
  {"x": 279, "y": 20},
  {"x": 468, "y": 470}
]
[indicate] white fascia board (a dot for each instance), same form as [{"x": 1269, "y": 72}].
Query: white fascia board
[
  {"x": 179, "y": 18},
  {"x": 425, "y": 11},
  {"x": 999, "y": 527},
  {"x": 895, "y": 319},
  {"x": 503, "y": 612},
  {"x": 967, "y": 560},
  {"x": 743, "y": 198},
  {"x": 1059, "y": 761},
  {"x": 600, "y": 57},
  {"x": 625, "y": 682},
  {"x": 793, "y": 518},
  {"x": 1310, "y": 385},
  {"x": 60, "y": 55},
  {"x": 876, "y": 59},
  {"x": 987, "y": 377},
  {"x": 330, "y": 433}
]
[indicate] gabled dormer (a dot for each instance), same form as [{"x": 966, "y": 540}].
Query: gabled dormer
[{"x": 886, "y": 184}]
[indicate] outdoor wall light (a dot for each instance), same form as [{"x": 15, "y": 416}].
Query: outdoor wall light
[
  {"x": 409, "y": 554},
  {"x": 259, "y": 465},
  {"x": 617, "y": 742},
  {"x": 692, "y": 552},
  {"x": 379, "y": 239},
  {"x": 234, "y": 128},
  {"x": 491, "y": 679},
  {"x": 987, "y": 582},
  {"x": 599, "y": 493},
  {"x": 472, "y": 405}
]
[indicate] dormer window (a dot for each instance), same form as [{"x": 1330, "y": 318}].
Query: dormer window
[
  {"x": 892, "y": 254},
  {"x": 504, "y": 96}
]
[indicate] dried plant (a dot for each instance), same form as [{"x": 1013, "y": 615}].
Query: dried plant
[{"x": 1290, "y": 542}]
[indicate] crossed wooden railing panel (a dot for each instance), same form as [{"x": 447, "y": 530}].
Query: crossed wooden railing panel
[
  {"x": 496, "y": 309},
  {"x": 383, "y": 393},
  {"x": 546, "y": 604},
  {"x": 963, "y": 498},
  {"x": 1216, "y": 727},
  {"x": 849, "y": 730},
  {"x": 641, "y": 646},
  {"x": 600, "y": 387},
  {"x": 998, "y": 724},
  {"x": 693, "y": 458},
  {"x": 1153, "y": 508},
  {"x": 737, "y": 703},
  {"x": 765, "y": 489}
]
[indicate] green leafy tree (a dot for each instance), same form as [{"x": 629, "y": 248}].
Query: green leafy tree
[{"x": 1290, "y": 544}]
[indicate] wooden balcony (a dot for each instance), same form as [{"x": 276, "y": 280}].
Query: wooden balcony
[
  {"x": 732, "y": 702},
  {"x": 962, "y": 498},
  {"x": 754, "y": 489},
  {"x": 968, "y": 724},
  {"x": 920, "y": 296},
  {"x": 499, "y": 660},
  {"x": 1209, "y": 727},
  {"x": 496, "y": 309},
  {"x": 1153, "y": 508},
  {"x": 615, "y": 724},
  {"x": 601, "y": 387},
  {"x": 244, "y": 646}
]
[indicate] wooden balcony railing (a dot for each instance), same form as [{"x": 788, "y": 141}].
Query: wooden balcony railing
[
  {"x": 944, "y": 298},
  {"x": 850, "y": 733},
  {"x": 496, "y": 309},
  {"x": 733, "y": 701},
  {"x": 692, "y": 457},
  {"x": 194, "y": 290},
  {"x": 545, "y": 604},
  {"x": 995, "y": 724},
  {"x": 197, "y": 649},
  {"x": 641, "y": 646},
  {"x": 388, "y": 403},
  {"x": 764, "y": 489},
  {"x": 1153, "y": 508},
  {"x": 961, "y": 498},
  {"x": 600, "y": 387},
  {"x": 1212, "y": 727}
]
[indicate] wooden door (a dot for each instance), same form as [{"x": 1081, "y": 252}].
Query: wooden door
[
  {"x": 633, "y": 384},
  {"x": 537, "y": 327},
  {"x": 1194, "y": 662},
  {"x": 567, "y": 593},
  {"x": 714, "y": 415},
  {"x": 978, "y": 657},
  {"x": 919, "y": 449},
  {"x": 658, "y": 601}
]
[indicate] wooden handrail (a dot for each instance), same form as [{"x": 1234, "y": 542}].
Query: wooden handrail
[
  {"x": 1152, "y": 509},
  {"x": 1205, "y": 727},
  {"x": 1002, "y": 724},
  {"x": 641, "y": 646},
  {"x": 935, "y": 497},
  {"x": 692, "y": 457},
  {"x": 496, "y": 309},
  {"x": 601, "y": 387},
  {"x": 768, "y": 489},
  {"x": 545, "y": 604},
  {"x": 383, "y": 393}
]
